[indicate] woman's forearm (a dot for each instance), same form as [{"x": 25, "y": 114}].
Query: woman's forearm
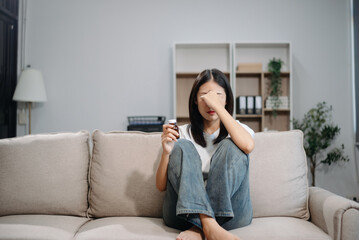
[
  {"x": 161, "y": 175},
  {"x": 239, "y": 135}
]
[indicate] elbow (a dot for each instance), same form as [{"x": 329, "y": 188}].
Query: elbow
[
  {"x": 249, "y": 147},
  {"x": 160, "y": 187}
]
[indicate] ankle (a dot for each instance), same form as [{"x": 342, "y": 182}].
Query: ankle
[{"x": 208, "y": 223}]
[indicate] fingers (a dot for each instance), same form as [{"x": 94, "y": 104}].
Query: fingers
[
  {"x": 169, "y": 138},
  {"x": 209, "y": 96},
  {"x": 169, "y": 129},
  {"x": 204, "y": 95},
  {"x": 168, "y": 133},
  {"x": 166, "y": 127}
]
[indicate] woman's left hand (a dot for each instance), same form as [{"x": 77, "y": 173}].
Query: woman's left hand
[{"x": 213, "y": 99}]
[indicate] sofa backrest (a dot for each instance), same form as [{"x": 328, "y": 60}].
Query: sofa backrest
[
  {"x": 278, "y": 175},
  {"x": 44, "y": 174},
  {"x": 124, "y": 164},
  {"x": 49, "y": 174},
  {"x": 122, "y": 174}
]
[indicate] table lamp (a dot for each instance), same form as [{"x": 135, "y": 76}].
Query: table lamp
[{"x": 30, "y": 88}]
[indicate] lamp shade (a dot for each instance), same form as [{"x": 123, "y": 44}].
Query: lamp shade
[{"x": 30, "y": 87}]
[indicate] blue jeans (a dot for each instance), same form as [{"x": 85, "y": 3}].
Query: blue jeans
[{"x": 226, "y": 196}]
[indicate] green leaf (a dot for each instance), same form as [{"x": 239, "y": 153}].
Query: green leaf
[{"x": 337, "y": 154}]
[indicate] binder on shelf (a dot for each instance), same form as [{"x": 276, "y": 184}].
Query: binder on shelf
[
  {"x": 250, "y": 105},
  {"x": 237, "y": 105},
  {"x": 258, "y": 105},
  {"x": 241, "y": 105}
]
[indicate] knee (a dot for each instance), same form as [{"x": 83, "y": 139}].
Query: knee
[
  {"x": 183, "y": 148},
  {"x": 229, "y": 147},
  {"x": 227, "y": 142},
  {"x": 183, "y": 144}
]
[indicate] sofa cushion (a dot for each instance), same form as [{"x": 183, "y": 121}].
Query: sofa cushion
[
  {"x": 44, "y": 174},
  {"x": 138, "y": 228},
  {"x": 278, "y": 175},
  {"x": 280, "y": 228},
  {"x": 40, "y": 227},
  {"x": 123, "y": 173},
  {"x": 126, "y": 228}
]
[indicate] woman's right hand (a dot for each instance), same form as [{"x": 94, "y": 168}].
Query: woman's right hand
[
  {"x": 168, "y": 139},
  {"x": 169, "y": 136}
]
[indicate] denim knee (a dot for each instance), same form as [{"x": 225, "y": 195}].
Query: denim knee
[
  {"x": 183, "y": 147},
  {"x": 228, "y": 143},
  {"x": 183, "y": 144},
  {"x": 227, "y": 146}
]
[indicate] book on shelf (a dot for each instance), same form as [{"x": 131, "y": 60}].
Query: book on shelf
[{"x": 283, "y": 102}]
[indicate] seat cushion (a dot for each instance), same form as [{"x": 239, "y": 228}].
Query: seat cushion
[
  {"x": 44, "y": 174},
  {"x": 136, "y": 228},
  {"x": 280, "y": 228},
  {"x": 123, "y": 174},
  {"x": 40, "y": 227},
  {"x": 278, "y": 175},
  {"x": 126, "y": 228}
]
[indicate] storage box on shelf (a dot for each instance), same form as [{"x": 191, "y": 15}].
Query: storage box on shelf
[{"x": 283, "y": 102}]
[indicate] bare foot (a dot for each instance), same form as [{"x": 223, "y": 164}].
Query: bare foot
[
  {"x": 213, "y": 231},
  {"x": 193, "y": 233}
]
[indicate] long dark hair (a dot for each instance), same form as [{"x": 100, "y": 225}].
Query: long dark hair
[{"x": 194, "y": 114}]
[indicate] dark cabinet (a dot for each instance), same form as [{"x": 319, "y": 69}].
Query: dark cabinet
[{"x": 8, "y": 66}]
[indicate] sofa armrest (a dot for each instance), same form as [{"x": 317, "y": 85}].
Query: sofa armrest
[{"x": 335, "y": 215}]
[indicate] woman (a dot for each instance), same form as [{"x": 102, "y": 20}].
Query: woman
[{"x": 205, "y": 173}]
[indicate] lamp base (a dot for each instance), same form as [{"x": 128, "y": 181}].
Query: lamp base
[{"x": 30, "y": 103}]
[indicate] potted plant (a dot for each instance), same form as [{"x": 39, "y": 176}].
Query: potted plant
[
  {"x": 275, "y": 84},
  {"x": 319, "y": 133}
]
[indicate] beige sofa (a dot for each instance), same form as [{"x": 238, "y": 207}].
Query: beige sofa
[{"x": 51, "y": 187}]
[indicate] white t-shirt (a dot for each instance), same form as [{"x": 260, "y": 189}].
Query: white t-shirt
[{"x": 207, "y": 152}]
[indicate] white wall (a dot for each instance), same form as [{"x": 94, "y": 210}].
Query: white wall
[{"x": 105, "y": 60}]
